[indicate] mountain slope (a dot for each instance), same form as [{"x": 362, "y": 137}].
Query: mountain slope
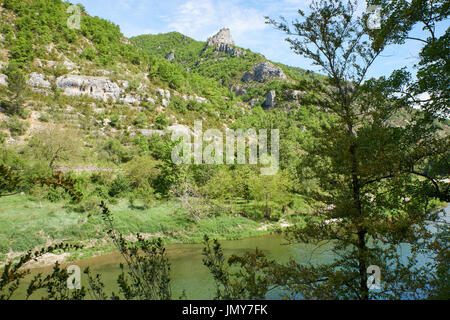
[{"x": 247, "y": 74}]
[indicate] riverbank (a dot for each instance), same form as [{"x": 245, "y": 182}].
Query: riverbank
[{"x": 29, "y": 224}]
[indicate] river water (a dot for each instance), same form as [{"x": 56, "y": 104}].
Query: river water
[{"x": 189, "y": 273}]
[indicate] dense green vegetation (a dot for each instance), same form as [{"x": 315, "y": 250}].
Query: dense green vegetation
[
  {"x": 359, "y": 167},
  {"x": 187, "y": 50},
  {"x": 50, "y": 26}
]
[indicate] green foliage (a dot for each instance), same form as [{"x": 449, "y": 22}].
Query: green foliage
[
  {"x": 119, "y": 186},
  {"x": 55, "y": 144},
  {"x": 10, "y": 181},
  {"x": 187, "y": 50},
  {"x": 433, "y": 72},
  {"x": 115, "y": 120},
  {"x": 13, "y": 274},
  {"x": 161, "y": 121},
  {"x": 115, "y": 152},
  {"x": 141, "y": 120},
  {"x": 15, "y": 126},
  {"x": 371, "y": 192},
  {"x": 272, "y": 192},
  {"x": 16, "y": 88},
  {"x": 141, "y": 142},
  {"x": 241, "y": 277},
  {"x": 41, "y": 22}
]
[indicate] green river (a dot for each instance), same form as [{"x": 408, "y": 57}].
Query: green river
[{"x": 188, "y": 271}]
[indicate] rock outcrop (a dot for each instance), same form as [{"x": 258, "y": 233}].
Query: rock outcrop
[
  {"x": 38, "y": 80},
  {"x": 171, "y": 55},
  {"x": 97, "y": 87},
  {"x": 294, "y": 94},
  {"x": 270, "y": 100},
  {"x": 238, "y": 90},
  {"x": 131, "y": 99},
  {"x": 165, "y": 96},
  {"x": 3, "y": 80},
  {"x": 264, "y": 71}
]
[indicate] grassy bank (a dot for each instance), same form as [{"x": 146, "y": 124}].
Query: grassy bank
[{"x": 26, "y": 224}]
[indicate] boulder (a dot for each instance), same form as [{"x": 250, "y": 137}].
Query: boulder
[
  {"x": 238, "y": 90},
  {"x": 294, "y": 95},
  {"x": 150, "y": 99},
  {"x": 69, "y": 65}
]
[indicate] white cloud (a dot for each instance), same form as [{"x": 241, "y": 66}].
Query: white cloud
[{"x": 202, "y": 19}]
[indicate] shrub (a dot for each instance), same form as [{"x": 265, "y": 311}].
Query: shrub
[
  {"x": 16, "y": 126},
  {"x": 115, "y": 120},
  {"x": 116, "y": 152},
  {"x": 141, "y": 120},
  {"x": 44, "y": 117},
  {"x": 119, "y": 187},
  {"x": 161, "y": 121},
  {"x": 91, "y": 206}
]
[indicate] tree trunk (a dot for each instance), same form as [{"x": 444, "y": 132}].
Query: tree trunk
[
  {"x": 362, "y": 257},
  {"x": 361, "y": 232}
]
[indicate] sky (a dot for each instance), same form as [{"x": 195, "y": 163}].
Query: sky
[{"x": 200, "y": 19}]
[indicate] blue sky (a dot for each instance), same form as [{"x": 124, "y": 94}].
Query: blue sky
[{"x": 200, "y": 19}]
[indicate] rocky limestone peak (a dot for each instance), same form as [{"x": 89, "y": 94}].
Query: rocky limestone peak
[{"x": 223, "y": 37}]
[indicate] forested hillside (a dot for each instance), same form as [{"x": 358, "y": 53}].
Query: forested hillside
[
  {"x": 83, "y": 110},
  {"x": 87, "y": 116}
]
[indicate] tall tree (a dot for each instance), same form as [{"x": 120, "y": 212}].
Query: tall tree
[
  {"x": 17, "y": 85},
  {"x": 369, "y": 161}
]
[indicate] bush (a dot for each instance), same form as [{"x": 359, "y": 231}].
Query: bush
[
  {"x": 116, "y": 152},
  {"x": 44, "y": 117},
  {"x": 92, "y": 206},
  {"x": 141, "y": 142},
  {"x": 16, "y": 126},
  {"x": 161, "y": 121},
  {"x": 119, "y": 187},
  {"x": 89, "y": 53},
  {"x": 115, "y": 120},
  {"x": 3, "y": 138},
  {"x": 140, "y": 121}
]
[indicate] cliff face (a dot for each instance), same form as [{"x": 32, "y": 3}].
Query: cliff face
[{"x": 98, "y": 87}]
